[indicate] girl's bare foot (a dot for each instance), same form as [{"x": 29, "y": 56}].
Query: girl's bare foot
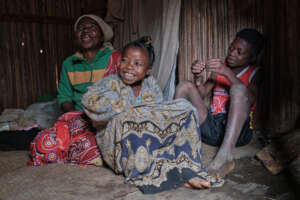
[
  {"x": 197, "y": 183},
  {"x": 223, "y": 170}
]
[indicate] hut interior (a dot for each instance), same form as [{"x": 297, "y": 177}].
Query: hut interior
[{"x": 37, "y": 35}]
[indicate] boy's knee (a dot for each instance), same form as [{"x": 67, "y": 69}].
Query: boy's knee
[
  {"x": 185, "y": 86},
  {"x": 240, "y": 92}
]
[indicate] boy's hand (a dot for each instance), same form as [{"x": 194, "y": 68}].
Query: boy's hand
[
  {"x": 197, "y": 67},
  {"x": 217, "y": 66},
  {"x": 198, "y": 81}
]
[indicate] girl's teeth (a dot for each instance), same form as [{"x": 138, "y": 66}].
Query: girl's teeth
[{"x": 127, "y": 74}]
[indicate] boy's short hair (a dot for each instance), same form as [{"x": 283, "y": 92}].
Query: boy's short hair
[{"x": 254, "y": 37}]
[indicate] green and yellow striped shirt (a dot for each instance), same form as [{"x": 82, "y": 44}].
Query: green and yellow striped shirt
[{"x": 78, "y": 73}]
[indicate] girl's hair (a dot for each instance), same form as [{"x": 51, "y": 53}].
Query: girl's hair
[
  {"x": 145, "y": 43},
  {"x": 254, "y": 37}
]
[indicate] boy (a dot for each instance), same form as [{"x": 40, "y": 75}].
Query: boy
[{"x": 234, "y": 84}]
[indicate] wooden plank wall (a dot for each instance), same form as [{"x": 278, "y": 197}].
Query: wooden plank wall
[
  {"x": 35, "y": 37},
  {"x": 126, "y": 30},
  {"x": 282, "y": 63},
  {"x": 207, "y": 26}
]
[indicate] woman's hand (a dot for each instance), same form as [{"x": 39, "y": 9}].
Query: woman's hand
[{"x": 67, "y": 106}]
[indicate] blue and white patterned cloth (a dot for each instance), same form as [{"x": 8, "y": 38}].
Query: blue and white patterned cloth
[{"x": 155, "y": 144}]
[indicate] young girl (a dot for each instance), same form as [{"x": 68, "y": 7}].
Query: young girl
[{"x": 155, "y": 144}]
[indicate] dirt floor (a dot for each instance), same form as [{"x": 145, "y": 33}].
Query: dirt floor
[
  {"x": 251, "y": 175},
  {"x": 249, "y": 180}
]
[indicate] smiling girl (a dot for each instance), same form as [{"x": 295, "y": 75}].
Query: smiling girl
[{"x": 155, "y": 144}]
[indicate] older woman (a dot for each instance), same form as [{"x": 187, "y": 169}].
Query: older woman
[
  {"x": 94, "y": 59},
  {"x": 71, "y": 139}
]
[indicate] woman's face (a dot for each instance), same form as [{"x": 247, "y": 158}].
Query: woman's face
[
  {"x": 88, "y": 34},
  {"x": 134, "y": 66}
]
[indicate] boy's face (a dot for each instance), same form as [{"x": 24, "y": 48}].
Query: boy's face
[
  {"x": 134, "y": 66},
  {"x": 239, "y": 53},
  {"x": 88, "y": 34}
]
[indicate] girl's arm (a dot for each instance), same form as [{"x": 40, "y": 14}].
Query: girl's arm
[{"x": 104, "y": 99}]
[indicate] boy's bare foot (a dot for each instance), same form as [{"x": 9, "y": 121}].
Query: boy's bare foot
[
  {"x": 197, "y": 183},
  {"x": 221, "y": 171}
]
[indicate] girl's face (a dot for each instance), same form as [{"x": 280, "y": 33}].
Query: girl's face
[
  {"x": 88, "y": 34},
  {"x": 134, "y": 66},
  {"x": 239, "y": 53}
]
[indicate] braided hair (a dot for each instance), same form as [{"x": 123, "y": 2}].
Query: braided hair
[{"x": 145, "y": 43}]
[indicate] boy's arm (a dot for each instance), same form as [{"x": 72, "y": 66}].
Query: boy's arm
[
  {"x": 219, "y": 67},
  {"x": 202, "y": 79},
  {"x": 254, "y": 85},
  {"x": 204, "y": 89}
]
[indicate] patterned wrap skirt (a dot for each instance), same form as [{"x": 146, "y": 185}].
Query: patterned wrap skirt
[
  {"x": 70, "y": 140},
  {"x": 156, "y": 146}
]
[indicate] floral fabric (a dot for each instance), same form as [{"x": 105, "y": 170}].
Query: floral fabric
[{"x": 70, "y": 140}]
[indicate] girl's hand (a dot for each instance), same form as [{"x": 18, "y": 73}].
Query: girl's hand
[
  {"x": 217, "y": 66},
  {"x": 99, "y": 125},
  {"x": 197, "y": 67}
]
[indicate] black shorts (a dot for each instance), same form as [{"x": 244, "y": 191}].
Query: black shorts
[{"x": 213, "y": 130}]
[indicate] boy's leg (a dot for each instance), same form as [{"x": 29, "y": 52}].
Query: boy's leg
[
  {"x": 238, "y": 114},
  {"x": 188, "y": 90}
]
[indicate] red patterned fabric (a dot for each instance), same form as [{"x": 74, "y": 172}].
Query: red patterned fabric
[
  {"x": 71, "y": 140},
  {"x": 113, "y": 64}
]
